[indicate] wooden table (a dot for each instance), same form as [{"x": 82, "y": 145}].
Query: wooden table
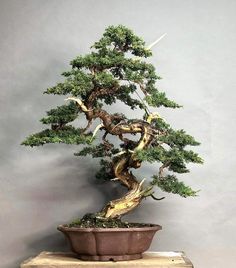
[{"x": 68, "y": 260}]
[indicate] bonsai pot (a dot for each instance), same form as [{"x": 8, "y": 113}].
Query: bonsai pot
[{"x": 109, "y": 244}]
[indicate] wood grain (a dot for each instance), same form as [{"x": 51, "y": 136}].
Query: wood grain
[{"x": 68, "y": 260}]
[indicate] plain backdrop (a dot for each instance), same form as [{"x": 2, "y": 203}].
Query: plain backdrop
[{"x": 43, "y": 187}]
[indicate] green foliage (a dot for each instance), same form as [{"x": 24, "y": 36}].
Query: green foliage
[
  {"x": 160, "y": 124},
  {"x": 116, "y": 69},
  {"x": 174, "y": 158},
  {"x": 178, "y": 138},
  {"x": 67, "y": 134},
  {"x": 124, "y": 95},
  {"x": 99, "y": 62},
  {"x": 105, "y": 173},
  {"x": 77, "y": 83},
  {"x": 122, "y": 39},
  {"x": 104, "y": 80},
  {"x": 100, "y": 150},
  {"x": 151, "y": 154},
  {"x": 109, "y": 65},
  {"x": 157, "y": 99},
  {"x": 62, "y": 114},
  {"x": 171, "y": 184},
  {"x": 190, "y": 156}
]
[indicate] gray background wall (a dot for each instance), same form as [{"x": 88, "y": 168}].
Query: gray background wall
[{"x": 43, "y": 187}]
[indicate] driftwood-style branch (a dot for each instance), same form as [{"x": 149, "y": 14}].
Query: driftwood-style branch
[{"x": 123, "y": 161}]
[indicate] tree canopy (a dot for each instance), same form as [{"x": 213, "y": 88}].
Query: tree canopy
[{"x": 116, "y": 69}]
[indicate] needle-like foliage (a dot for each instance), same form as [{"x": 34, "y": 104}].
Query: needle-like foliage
[{"x": 116, "y": 69}]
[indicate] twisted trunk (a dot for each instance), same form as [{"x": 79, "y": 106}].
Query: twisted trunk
[
  {"x": 131, "y": 199},
  {"x": 135, "y": 194}
]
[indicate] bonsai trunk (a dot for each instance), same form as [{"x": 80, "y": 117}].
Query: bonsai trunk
[
  {"x": 129, "y": 201},
  {"x": 118, "y": 207}
]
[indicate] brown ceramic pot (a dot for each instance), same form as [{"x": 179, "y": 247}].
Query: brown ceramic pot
[{"x": 105, "y": 244}]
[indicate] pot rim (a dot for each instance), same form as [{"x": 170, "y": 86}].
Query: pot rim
[{"x": 64, "y": 228}]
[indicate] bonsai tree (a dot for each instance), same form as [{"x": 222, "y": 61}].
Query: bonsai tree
[{"x": 116, "y": 70}]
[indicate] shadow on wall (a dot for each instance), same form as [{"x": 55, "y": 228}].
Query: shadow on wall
[{"x": 67, "y": 188}]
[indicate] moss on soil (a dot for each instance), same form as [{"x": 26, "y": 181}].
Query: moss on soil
[{"x": 91, "y": 220}]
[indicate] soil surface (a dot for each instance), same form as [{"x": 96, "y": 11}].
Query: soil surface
[{"x": 91, "y": 220}]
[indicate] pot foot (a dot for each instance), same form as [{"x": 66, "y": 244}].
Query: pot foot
[{"x": 110, "y": 257}]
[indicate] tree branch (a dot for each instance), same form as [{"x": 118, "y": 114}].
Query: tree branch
[
  {"x": 80, "y": 103},
  {"x": 161, "y": 169}
]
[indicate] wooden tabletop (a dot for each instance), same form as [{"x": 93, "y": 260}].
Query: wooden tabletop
[{"x": 68, "y": 260}]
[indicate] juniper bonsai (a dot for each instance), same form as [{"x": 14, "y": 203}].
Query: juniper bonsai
[{"x": 116, "y": 70}]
